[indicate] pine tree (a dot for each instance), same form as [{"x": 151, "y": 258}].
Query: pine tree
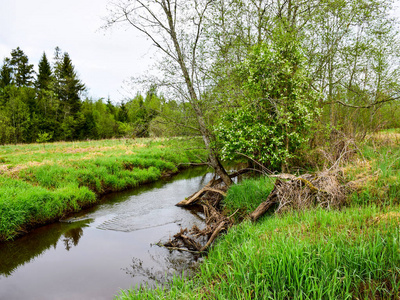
[
  {"x": 68, "y": 86},
  {"x": 44, "y": 76},
  {"x": 22, "y": 70},
  {"x": 5, "y": 74}
]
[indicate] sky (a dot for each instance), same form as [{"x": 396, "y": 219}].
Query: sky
[{"x": 103, "y": 59}]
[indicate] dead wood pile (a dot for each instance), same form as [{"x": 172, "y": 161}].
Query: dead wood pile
[
  {"x": 195, "y": 239},
  {"x": 298, "y": 193},
  {"x": 290, "y": 193}
]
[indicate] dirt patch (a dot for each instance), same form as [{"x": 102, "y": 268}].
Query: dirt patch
[
  {"x": 90, "y": 149},
  {"x": 3, "y": 169},
  {"x": 16, "y": 169},
  {"x": 388, "y": 217}
]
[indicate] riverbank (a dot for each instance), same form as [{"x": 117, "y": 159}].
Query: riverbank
[
  {"x": 350, "y": 253},
  {"x": 97, "y": 251},
  {"x": 42, "y": 183}
]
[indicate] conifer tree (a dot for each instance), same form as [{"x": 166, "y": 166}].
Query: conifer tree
[
  {"x": 5, "y": 74},
  {"x": 44, "y": 76},
  {"x": 22, "y": 70},
  {"x": 68, "y": 86}
]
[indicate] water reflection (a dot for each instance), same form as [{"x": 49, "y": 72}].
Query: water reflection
[
  {"x": 73, "y": 259},
  {"x": 162, "y": 268},
  {"x": 29, "y": 247},
  {"x": 72, "y": 237}
]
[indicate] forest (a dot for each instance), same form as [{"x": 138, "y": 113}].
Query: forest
[{"x": 50, "y": 105}]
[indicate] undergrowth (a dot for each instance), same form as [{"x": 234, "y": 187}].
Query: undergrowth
[{"x": 243, "y": 198}]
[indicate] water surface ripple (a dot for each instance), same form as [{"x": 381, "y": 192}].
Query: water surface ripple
[{"x": 93, "y": 254}]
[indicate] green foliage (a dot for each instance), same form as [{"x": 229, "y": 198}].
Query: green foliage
[
  {"x": 54, "y": 105},
  {"x": 22, "y": 71},
  {"x": 44, "y": 137},
  {"x": 5, "y": 74},
  {"x": 68, "y": 87},
  {"x": 44, "y": 78},
  {"x": 277, "y": 111}
]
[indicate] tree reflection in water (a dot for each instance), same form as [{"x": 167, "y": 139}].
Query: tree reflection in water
[
  {"x": 72, "y": 237},
  {"x": 166, "y": 267}
]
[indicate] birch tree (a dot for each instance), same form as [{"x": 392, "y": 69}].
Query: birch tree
[{"x": 176, "y": 28}]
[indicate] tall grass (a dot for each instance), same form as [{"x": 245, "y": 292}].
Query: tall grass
[
  {"x": 377, "y": 172},
  {"x": 317, "y": 254},
  {"x": 247, "y": 195},
  {"x": 311, "y": 255},
  {"x": 38, "y": 186}
]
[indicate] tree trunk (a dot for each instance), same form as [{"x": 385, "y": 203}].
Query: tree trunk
[{"x": 213, "y": 158}]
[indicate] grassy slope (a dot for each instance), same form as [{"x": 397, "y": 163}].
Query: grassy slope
[
  {"x": 41, "y": 183},
  {"x": 347, "y": 254}
]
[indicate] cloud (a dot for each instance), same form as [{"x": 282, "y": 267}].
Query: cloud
[{"x": 103, "y": 60}]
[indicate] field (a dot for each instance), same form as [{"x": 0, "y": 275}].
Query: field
[
  {"x": 41, "y": 183},
  {"x": 352, "y": 253}
]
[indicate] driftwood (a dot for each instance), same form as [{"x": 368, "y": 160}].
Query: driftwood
[
  {"x": 305, "y": 191},
  {"x": 196, "y": 196},
  {"x": 290, "y": 192},
  {"x": 209, "y": 188},
  {"x": 265, "y": 206},
  {"x": 199, "y": 240},
  {"x": 219, "y": 228}
]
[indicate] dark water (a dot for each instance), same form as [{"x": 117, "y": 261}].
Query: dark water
[{"x": 94, "y": 254}]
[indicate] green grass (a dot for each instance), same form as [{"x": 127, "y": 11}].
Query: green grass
[
  {"x": 377, "y": 172},
  {"x": 353, "y": 253},
  {"x": 38, "y": 185},
  {"x": 247, "y": 195},
  {"x": 311, "y": 255}
]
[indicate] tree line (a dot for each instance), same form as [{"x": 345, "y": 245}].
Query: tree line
[
  {"x": 272, "y": 80},
  {"x": 50, "y": 105}
]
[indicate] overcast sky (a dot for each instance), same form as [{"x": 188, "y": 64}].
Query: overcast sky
[{"x": 103, "y": 59}]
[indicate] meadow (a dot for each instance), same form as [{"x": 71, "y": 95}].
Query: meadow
[
  {"x": 40, "y": 183},
  {"x": 351, "y": 253}
]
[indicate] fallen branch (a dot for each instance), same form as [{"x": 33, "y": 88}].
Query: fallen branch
[
  {"x": 208, "y": 188},
  {"x": 305, "y": 191},
  {"x": 177, "y": 249},
  {"x": 213, "y": 236},
  {"x": 263, "y": 207}
]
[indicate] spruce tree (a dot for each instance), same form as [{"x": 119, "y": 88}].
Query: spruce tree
[
  {"x": 44, "y": 76},
  {"x": 22, "y": 70},
  {"x": 68, "y": 86},
  {"x": 5, "y": 74}
]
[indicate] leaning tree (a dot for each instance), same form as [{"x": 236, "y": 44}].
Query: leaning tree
[{"x": 177, "y": 29}]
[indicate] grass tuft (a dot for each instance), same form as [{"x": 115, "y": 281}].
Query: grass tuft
[{"x": 38, "y": 186}]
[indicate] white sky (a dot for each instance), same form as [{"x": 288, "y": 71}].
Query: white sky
[{"x": 102, "y": 59}]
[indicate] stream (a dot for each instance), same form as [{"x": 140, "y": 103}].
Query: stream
[{"x": 96, "y": 252}]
